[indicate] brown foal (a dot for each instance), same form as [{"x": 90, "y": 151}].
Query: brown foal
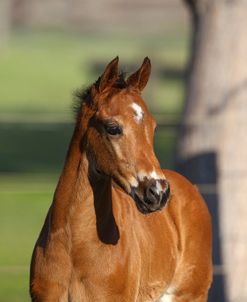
[{"x": 120, "y": 228}]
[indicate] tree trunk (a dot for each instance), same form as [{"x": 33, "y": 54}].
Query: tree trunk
[{"x": 213, "y": 144}]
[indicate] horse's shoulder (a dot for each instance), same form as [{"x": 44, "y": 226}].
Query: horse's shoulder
[
  {"x": 185, "y": 195},
  {"x": 192, "y": 220},
  {"x": 180, "y": 184},
  {"x": 176, "y": 178}
]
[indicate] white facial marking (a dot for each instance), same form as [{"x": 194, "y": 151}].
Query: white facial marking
[
  {"x": 154, "y": 175},
  {"x": 138, "y": 112},
  {"x": 133, "y": 182},
  {"x": 141, "y": 175},
  {"x": 151, "y": 175}
]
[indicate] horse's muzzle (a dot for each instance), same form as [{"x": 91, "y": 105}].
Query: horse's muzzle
[{"x": 151, "y": 195}]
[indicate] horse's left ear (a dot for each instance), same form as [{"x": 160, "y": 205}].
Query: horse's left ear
[
  {"x": 140, "y": 78},
  {"x": 109, "y": 76}
]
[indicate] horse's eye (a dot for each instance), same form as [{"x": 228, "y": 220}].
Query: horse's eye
[{"x": 113, "y": 129}]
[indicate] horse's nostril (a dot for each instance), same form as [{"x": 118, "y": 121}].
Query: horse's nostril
[
  {"x": 151, "y": 195},
  {"x": 152, "y": 191}
]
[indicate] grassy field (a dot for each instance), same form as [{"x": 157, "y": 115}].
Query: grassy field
[
  {"x": 23, "y": 203},
  {"x": 38, "y": 73}
]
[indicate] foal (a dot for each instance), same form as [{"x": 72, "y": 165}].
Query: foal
[{"x": 119, "y": 227}]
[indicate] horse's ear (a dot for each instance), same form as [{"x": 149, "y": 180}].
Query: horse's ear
[
  {"x": 109, "y": 76},
  {"x": 140, "y": 78}
]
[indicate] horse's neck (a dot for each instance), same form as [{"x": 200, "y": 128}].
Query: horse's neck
[
  {"x": 92, "y": 196},
  {"x": 73, "y": 180}
]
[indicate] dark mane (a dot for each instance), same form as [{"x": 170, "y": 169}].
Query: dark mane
[{"x": 84, "y": 95}]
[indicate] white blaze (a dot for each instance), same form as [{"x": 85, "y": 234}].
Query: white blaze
[
  {"x": 133, "y": 182},
  {"x": 138, "y": 112}
]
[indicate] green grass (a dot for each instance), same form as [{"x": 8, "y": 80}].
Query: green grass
[
  {"x": 40, "y": 70},
  {"x": 14, "y": 286},
  {"x": 22, "y": 213},
  {"x": 33, "y": 147},
  {"x": 21, "y": 217}
]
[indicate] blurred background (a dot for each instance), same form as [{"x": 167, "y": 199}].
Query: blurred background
[{"x": 197, "y": 93}]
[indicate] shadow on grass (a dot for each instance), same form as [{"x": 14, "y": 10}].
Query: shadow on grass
[
  {"x": 41, "y": 148},
  {"x": 33, "y": 147}
]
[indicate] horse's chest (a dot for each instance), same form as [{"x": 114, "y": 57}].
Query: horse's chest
[
  {"x": 139, "y": 267},
  {"x": 158, "y": 267}
]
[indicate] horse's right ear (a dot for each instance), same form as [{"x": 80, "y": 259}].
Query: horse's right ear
[
  {"x": 109, "y": 76},
  {"x": 140, "y": 78}
]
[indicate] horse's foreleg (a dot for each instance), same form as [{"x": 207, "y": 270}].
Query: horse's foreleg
[{"x": 50, "y": 274}]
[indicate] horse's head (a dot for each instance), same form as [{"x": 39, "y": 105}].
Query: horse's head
[{"x": 119, "y": 136}]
